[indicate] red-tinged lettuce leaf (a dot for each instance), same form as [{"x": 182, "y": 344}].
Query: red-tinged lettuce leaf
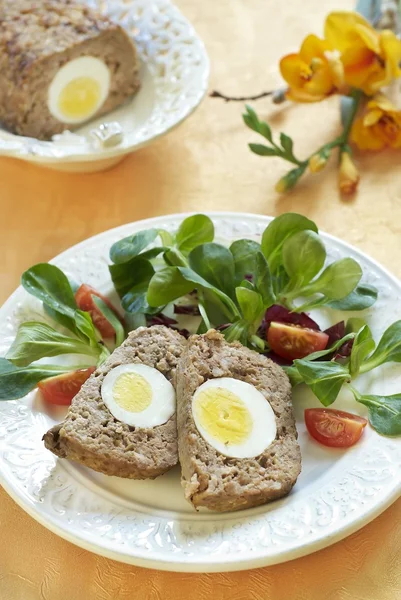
[
  {"x": 162, "y": 319},
  {"x": 335, "y": 333},
  {"x": 345, "y": 350},
  {"x": 283, "y": 315},
  {"x": 186, "y": 309},
  {"x": 283, "y": 362}
]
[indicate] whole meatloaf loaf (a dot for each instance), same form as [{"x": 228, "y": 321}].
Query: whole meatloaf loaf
[
  {"x": 92, "y": 436},
  {"x": 209, "y": 478},
  {"x": 61, "y": 64}
]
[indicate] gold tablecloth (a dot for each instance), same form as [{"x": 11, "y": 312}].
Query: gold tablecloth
[{"x": 205, "y": 165}]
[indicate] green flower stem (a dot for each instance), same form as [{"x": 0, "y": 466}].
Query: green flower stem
[
  {"x": 357, "y": 96},
  {"x": 339, "y": 142}
]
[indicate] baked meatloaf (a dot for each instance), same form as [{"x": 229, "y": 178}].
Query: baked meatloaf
[
  {"x": 61, "y": 64},
  {"x": 220, "y": 482},
  {"x": 90, "y": 435}
]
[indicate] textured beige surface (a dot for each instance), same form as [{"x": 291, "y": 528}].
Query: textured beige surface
[{"x": 205, "y": 165}]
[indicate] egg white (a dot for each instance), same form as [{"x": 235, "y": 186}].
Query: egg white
[
  {"x": 264, "y": 428},
  {"x": 162, "y": 405},
  {"x": 84, "y": 66}
]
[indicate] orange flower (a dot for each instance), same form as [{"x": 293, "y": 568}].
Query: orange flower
[
  {"x": 370, "y": 58},
  {"x": 379, "y": 127},
  {"x": 348, "y": 177},
  {"x": 314, "y": 73}
]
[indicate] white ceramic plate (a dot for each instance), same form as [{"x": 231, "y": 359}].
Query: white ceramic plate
[
  {"x": 148, "y": 523},
  {"x": 174, "y": 78}
]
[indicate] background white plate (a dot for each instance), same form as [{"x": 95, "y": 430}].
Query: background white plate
[
  {"x": 148, "y": 523},
  {"x": 174, "y": 78}
]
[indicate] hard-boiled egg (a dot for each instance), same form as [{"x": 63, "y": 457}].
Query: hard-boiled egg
[
  {"x": 138, "y": 395},
  {"x": 233, "y": 417},
  {"x": 78, "y": 89}
]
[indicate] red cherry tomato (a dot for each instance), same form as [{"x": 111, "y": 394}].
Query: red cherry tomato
[
  {"x": 292, "y": 342},
  {"x": 334, "y": 428},
  {"x": 84, "y": 300},
  {"x": 61, "y": 389}
]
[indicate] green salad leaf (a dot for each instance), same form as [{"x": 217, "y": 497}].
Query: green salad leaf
[
  {"x": 304, "y": 255},
  {"x": 193, "y": 231},
  {"x": 324, "y": 378},
  {"x": 362, "y": 297},
  {"x": 388, "y": 348},
  {"x": 16, "y": 382},
  {"x": 38, "y": 340},
  {"x": 362, "y": 347},
  {"x": 278, "y": 231},
  {"x": 384, "y": 412},
  {"x": 132, "y": 276},
  {"x": 130, "y": 247},
  {"x": 215, "y": 264},
  {"x": 112, "y": 319}
]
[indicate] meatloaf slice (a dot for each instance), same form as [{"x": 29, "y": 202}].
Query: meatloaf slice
[
  {"x": 36, "y": 40},
  {"x": 90, "y": 435},
  {"x": 218, "y": 482}
]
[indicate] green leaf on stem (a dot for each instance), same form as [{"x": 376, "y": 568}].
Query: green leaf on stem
[
  {"x": 251, "y": 305},
  {"x": 215, "y": 264},
  {"x": 324, "y": 378},
  {"x": 388, "y": 349},
  {"x": 252, "y": 121},
  {"x": 304, "y": 255},
  {"x": 128, "y": 248},
  {"x": 337, "y": 281},
  {"x": 384, "y": 412},
  {"x": 16, "y": 382},
  {"x": 361, "y": 348},
  {"x": 132, "y": 276},
  {"x": 262, "y": 150},
  {"x": 194, "y": 230},
  {"x": 111, "y": 318},
  {"x": 363, "y": 296},
  {"x": 287, "y": 145},
  {"x": 38, "y": 340},
  {"x": 278, "y": 231}
]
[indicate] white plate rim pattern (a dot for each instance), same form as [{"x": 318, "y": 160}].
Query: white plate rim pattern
[
  {"x": 180, "y": 81},
  {"x": 209, "y": 543}
]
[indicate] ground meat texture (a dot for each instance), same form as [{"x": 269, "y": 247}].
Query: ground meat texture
[
  {"x": 90, "y": 435},
  {"x": 215, "y": 481},
  {"x": 36, "y": 40}
]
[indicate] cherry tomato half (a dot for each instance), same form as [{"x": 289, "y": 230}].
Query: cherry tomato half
[
  {"x": 84, "y": 300},
  {"x": 61, "y": 389},
  {"x": 334, "y": 428},
  {"x": 291, "y": 341}
]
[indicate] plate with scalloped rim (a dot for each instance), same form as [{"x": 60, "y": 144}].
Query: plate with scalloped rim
[
  {"x": 174, "y": 78},
  {"x": 148, "y": 523}
]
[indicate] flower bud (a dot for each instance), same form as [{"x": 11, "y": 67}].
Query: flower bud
[
  {"x": 279, "y": 96},
  {"x": 281, "y": 186},
  {"x": 318, "y": 161},
  {"x": 289, "y": 180},
  {"x": 348, "y": 177}
]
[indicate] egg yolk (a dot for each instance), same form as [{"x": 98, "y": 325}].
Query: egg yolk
[
  {"x": 223, "y": 415},
  {"x": 132, "y": 392},
  {"x": 79, "y": 98}
]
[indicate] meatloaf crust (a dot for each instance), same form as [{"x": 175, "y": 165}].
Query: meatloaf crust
[
  {"x": 90, "y": 435},
  {"x": 36, "y": 40},
  {"x": 215, "y": 481}
]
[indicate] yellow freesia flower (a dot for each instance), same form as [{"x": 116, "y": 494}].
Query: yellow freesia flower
[
  {"x": 370, "y": 58},
  {"x": 379, "y": 127},
  {"x": 314, "y": 73},
  {"x": 348, "y": 176}
]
